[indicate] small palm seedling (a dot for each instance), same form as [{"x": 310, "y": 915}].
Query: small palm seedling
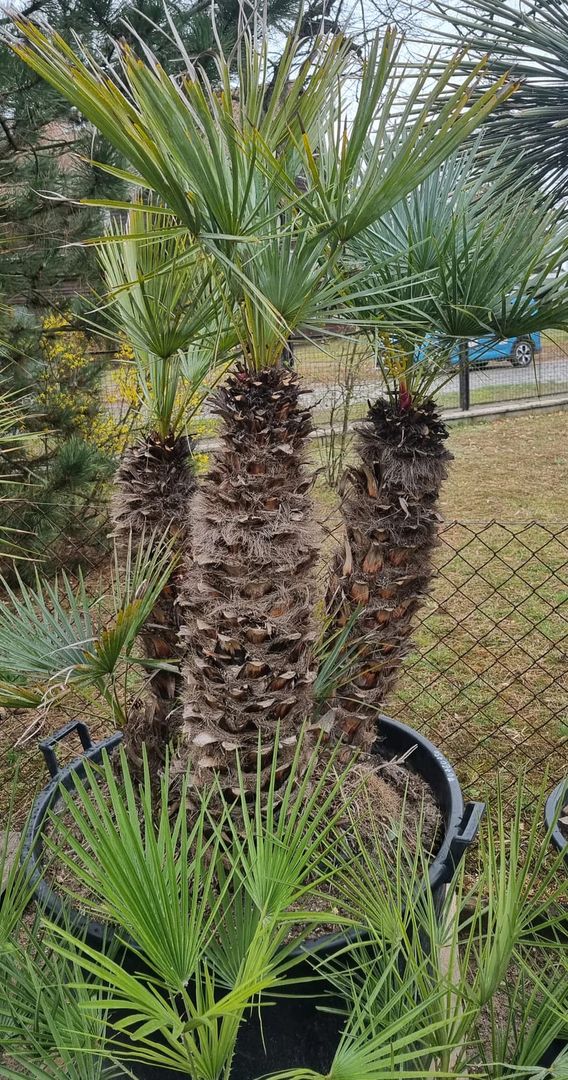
[
  {"x": 478, "y": 984},
  {"x": 39, "y": 1014},
  {"x": 55, "y": 637},
  {"x": 212, "y": 913}
]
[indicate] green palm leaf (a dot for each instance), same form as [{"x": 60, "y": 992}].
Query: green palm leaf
[
  {"x": 162, "y": 299},
  {"x": 461, "y": 258},
  {"x": 259, "y": 187},
  {"x": 55, "y": 635},
  {"x": 530, "y": 41},
  {"x": 158, "y": 283}
]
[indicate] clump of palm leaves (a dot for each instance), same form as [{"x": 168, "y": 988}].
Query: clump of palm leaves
[
  {"x": 530, "y": 41},
  {"x": 277, "y": 208},
  {"x": 257, "y": 188},
  {"x": 478, "y": 984},
  {"x": 215, "y": 914},
  {"x": 58, "y": 637}
]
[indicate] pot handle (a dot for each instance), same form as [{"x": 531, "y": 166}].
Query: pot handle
[
  {"x": 467, "y": 831},
  {"x": 47, "y": 746}
]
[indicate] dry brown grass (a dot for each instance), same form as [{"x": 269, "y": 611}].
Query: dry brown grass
[{"x": 513, "y": 469}]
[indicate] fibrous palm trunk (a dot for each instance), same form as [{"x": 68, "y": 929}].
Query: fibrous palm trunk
[
  {"x": 385, "y": 568},
  {"x": 248, "y": 595},
  {"x": 153, "y": 487}
]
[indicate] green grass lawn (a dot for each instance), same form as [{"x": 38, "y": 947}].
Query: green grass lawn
[{"x": 488, "y": 679}]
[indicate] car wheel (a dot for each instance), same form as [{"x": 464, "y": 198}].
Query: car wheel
[{"x": 523, "y": 353}]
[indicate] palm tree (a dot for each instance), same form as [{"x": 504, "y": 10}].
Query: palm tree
[
  {"x": 268, "y": 189},
  {"x": 470, "y": 261},
  {"x": 161, "y": 302},
  {"x": 531, "y": 41}
]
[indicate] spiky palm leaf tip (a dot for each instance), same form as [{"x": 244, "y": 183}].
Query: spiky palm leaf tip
[
  {"x": 154, "y": 484},
  {"x": 385, "y": 568},
  {"x": 249, "y": 593}
]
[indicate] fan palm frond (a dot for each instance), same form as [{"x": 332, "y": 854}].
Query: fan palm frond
[
  {"x": 531, "y": 42},
  {"x": 54, "y": 635},
  {"x": 466, "y": 260},
  {"x": 234, "y": 173},
  {"x": 162, "y": 299}
]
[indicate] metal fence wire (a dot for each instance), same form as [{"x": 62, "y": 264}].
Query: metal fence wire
[
  {"x": 341, "y": 372},
  {"x": 486, "y": 680},
  {"x": 334, "y": 367},
  {"x": 488, "y": 677}
]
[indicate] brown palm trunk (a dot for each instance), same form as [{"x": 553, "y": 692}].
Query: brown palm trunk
[
  {"x": 154, "y": 484},
  {"x": 248, "y": 595},
  {"x": 385, "y": 569}
]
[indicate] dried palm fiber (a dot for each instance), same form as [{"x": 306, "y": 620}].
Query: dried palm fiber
[
  {"x": 248, "y": 593},
  {"x": 153, "y": 487},
  {"x": 385, "y": 568}
]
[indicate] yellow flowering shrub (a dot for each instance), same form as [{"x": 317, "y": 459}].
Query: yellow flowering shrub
[
  {"x": 69, "y": 391},
  {"x": 122, "y": 387}
]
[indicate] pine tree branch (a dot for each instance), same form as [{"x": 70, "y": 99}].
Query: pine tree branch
[
  {"x": 6, "y": 129},
  {"x": 33, "y": 148}
]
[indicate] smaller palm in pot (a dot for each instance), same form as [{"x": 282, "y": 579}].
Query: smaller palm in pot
[{"x": 480, "y": 984}]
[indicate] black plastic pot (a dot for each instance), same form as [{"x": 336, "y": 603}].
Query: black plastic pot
[
  {"x": 556, "y": 800},
  {"x": 294, "y": 1032},
  {"x": 552, "y": 1053}
]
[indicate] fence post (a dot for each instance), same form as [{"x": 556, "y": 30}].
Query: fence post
[
  {"x": 288, "y": 355},
  {"x": 464, "y": 376}
]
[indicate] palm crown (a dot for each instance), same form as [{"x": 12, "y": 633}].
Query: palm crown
[{"x": 265, "y": 175}]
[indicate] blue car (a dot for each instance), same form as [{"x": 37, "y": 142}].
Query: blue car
[{"x": 520, "y": 352}]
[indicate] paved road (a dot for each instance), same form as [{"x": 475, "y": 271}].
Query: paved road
[{"x": 552, "y": 375}]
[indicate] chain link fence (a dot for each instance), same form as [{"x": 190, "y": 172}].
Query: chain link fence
[
  {"x": 487, "y": 678},
  {"x": 50, "y": 535},
  {"x": 341, "y": 376}
]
